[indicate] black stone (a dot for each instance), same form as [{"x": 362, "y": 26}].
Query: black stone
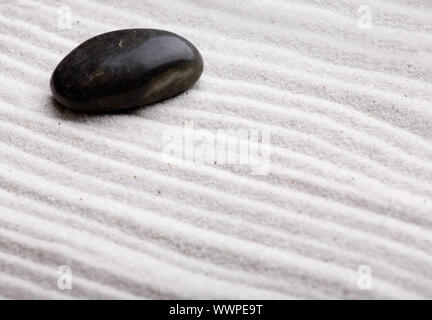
[{"x": 126, "y": 69}]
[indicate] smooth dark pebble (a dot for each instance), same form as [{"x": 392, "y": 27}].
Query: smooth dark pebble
[{"x": 126, "y": 69}]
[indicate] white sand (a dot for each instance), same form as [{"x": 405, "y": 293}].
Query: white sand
[{"x": 350, "y": 184}]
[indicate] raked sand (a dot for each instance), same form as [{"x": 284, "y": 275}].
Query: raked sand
[{"x": 345, "y": 91}]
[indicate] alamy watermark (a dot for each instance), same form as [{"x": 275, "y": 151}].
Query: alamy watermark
[
  {"x": 364, "y": 279},
  {"x": 248, "y": 147},
  {"x": 64, "y": 17},
  {"x": 64, "y": 278},
  {"x": 364, "y": 21}
]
